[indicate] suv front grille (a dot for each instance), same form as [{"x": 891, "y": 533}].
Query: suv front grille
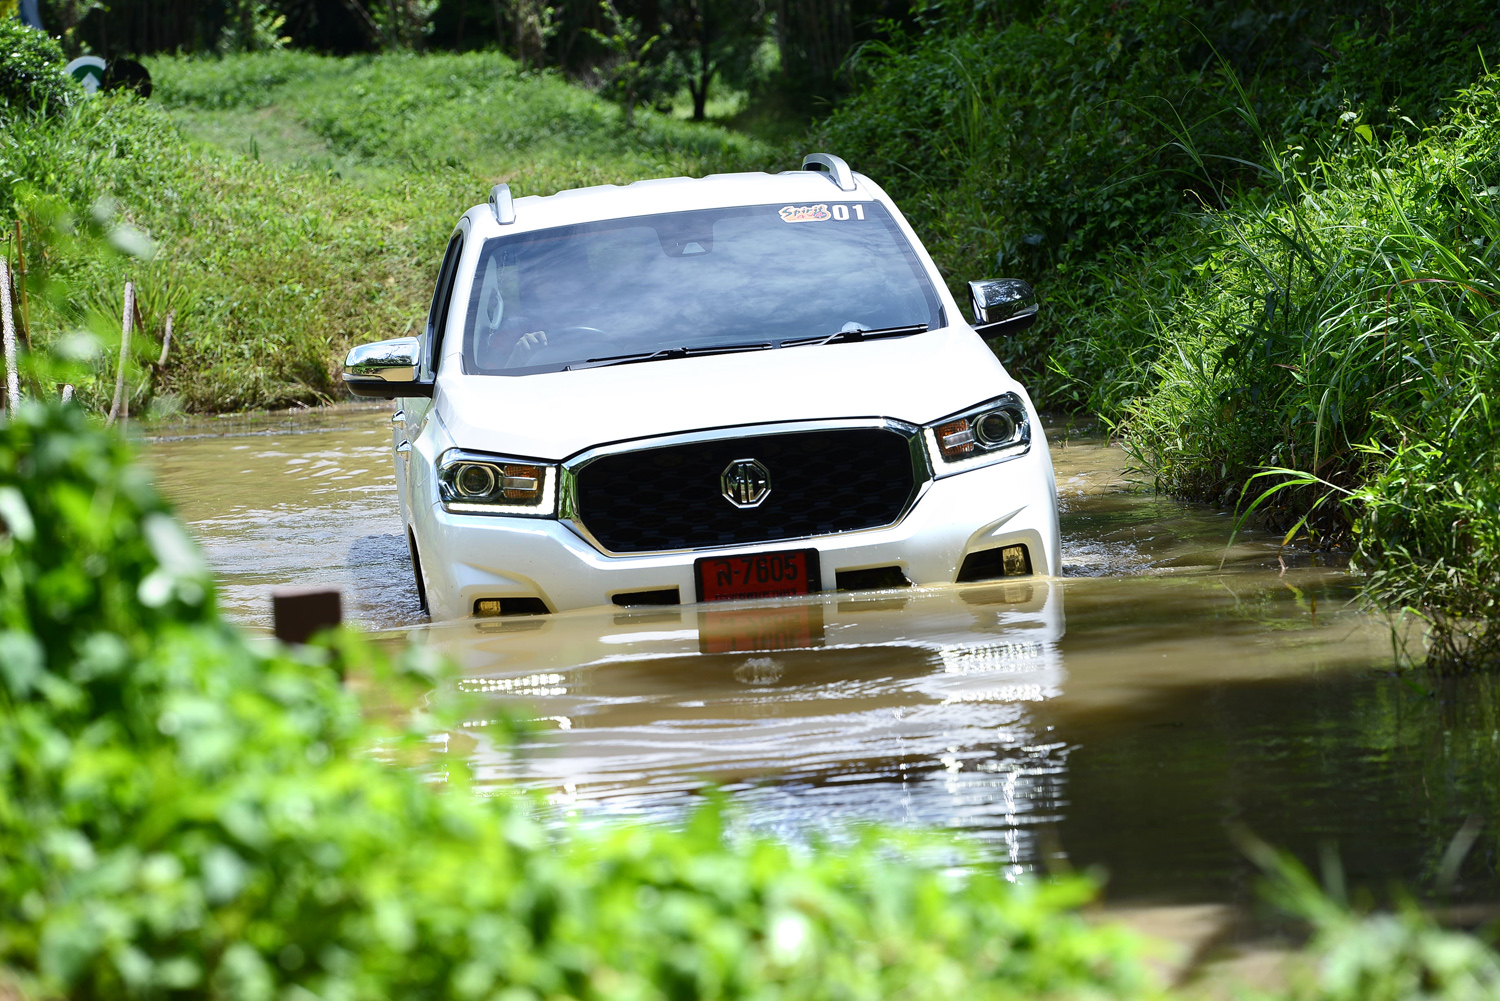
[{"x": 822, "y": 482}]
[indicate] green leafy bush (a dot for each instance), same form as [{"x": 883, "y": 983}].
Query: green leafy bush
[
  {"x": 186, "y": 814},
  {"x": 31, "y": 72},
  {"x": 1257, "y": 264}
]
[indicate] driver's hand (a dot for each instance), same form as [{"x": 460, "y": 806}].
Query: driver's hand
[{"x": 528, "y": 345}]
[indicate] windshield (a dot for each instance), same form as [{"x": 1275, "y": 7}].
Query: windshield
[{"x": 715, "y": 278}]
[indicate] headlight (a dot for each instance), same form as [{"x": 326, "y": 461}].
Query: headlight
[
  {"x": 475, "y": 483},
  {"x": 991, "y": 432}
]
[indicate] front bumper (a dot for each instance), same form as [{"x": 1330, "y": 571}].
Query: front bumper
[{"x": 468, "y": 557}]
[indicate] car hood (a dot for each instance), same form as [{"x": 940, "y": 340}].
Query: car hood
[{"x": 555, "y": 415}]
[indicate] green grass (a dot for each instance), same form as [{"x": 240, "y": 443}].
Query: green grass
[
  {"x": 300, "y": 203},
  {"x": 1330, "y": 356}
]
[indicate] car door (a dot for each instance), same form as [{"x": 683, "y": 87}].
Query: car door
[{"x": 412, "y": 413}]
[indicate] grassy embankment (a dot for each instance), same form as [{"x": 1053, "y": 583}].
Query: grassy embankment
[
  {"x": 1268, "y": 246},
  {"x": 300, "y": 203}
]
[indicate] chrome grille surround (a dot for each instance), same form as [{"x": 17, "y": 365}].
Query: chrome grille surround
[{"x": 745, "y": 436}]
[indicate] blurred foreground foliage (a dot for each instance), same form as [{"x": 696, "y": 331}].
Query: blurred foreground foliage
[{"x": 1359, "y": 956}]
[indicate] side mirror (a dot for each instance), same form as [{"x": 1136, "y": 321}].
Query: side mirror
[
  {"x": 386, "y": 369},
  {"x": 1002, "y": 306}
]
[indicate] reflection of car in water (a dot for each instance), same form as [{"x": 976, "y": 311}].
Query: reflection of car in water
[
  {"x": 730, "y": 387},
  {"x": 813, "y": 687}
]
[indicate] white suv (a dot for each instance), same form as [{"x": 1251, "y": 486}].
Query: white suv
[{"x": 732, "y": 387}]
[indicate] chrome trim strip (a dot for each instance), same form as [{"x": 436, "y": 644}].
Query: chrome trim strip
[{"x": 567, "y": 493}]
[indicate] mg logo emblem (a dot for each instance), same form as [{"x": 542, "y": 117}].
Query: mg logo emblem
[{"x": 745, "y": 482}]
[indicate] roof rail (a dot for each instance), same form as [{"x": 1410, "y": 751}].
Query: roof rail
[
  {"x": 838, "y": 171},
  {"x": 502, "y": 205}
]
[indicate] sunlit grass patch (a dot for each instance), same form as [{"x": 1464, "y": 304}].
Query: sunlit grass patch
[{"x": 300, "y": 203}]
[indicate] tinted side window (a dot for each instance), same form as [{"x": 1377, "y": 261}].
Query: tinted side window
[{"x": 437, "y": 315}]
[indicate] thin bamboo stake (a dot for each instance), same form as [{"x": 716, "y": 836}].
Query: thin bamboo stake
[
  {"x": 7, "y": 321},
  {"x": 21, "y": 285},
  {"x": 117, "y": 408},
  {"x": 166, "y": 340}
]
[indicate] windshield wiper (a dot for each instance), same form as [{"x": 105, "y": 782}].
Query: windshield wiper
[
  {"x": 665, "y": 353},
  {"x": 843, "y": 336}
]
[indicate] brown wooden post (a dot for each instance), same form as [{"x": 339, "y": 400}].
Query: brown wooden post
[{"x": 299, "y": 613}]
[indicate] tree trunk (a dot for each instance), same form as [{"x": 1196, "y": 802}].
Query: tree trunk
[
  {"x": 699, "y": 90},
  {"x": 705, "y": 69}
]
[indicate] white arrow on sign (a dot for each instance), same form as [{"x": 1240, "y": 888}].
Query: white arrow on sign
[{"x": 88, "y": 71}]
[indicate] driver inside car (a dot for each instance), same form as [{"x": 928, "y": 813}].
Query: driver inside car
[{"x": 508, "y": 339}]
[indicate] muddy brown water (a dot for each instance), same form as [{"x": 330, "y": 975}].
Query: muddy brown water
[{"x": 1134, "y": 716}]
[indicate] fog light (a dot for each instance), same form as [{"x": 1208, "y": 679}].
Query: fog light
[
  {"x": 1016, "y": 560},
  {"x": 995, "y": 428},
  {"x": 474, "y": 480},
  {"x": 990, "y": 564},
  {"x": 955, "y": 438},
  {"x": 489, "y": 608}
]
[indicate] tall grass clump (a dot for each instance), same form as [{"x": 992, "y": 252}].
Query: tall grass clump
[
  {"x": 1045, "y": 141},
  {"x": 1330, "y": 357}
]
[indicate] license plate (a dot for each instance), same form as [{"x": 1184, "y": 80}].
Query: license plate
[{"x": 758, "y": 575}]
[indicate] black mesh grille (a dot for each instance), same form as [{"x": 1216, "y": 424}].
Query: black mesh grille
[{"x": 821, "y": 482}]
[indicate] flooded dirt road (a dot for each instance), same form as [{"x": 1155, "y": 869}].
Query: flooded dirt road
[{"x": 1134, "y": 714}]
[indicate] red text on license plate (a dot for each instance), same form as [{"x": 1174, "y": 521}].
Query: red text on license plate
[{"x": 758, "y": 575}]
